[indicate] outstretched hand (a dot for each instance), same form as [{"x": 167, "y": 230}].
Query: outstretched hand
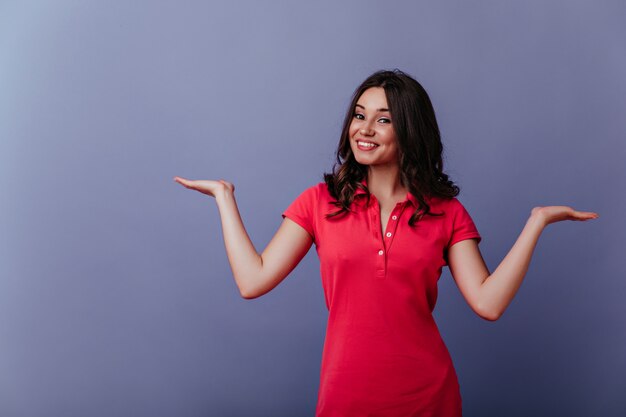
[
  {"x": 208, "y": 187},
  {"x": 553, "y": 214}
]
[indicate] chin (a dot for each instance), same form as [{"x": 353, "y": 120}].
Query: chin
[{"x": 362, "y": 161}]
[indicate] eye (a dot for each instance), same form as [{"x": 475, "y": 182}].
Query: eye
[
  {"x": 359, "y": 116},
  {"x": 384, "y": 120}
]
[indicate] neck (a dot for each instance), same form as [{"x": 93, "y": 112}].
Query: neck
[{"x": 384, "y": 181}]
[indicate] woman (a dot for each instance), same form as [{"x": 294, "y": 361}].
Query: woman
[{"x": 384, "y": 223}]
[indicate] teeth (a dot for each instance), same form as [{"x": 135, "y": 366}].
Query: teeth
[{"x": 367, "y": 145}]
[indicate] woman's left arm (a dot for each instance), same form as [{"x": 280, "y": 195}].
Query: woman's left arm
[{"x": 490, "y": 294}]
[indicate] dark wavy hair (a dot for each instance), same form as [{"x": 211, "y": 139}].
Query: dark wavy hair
[{"x": 419, "y": 146}]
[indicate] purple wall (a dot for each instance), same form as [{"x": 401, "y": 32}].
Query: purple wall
[{"x": 116, "y": 297}]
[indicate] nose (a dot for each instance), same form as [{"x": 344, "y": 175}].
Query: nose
[{"x": 367, "y": 130}]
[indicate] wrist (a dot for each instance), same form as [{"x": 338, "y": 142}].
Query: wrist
[
  {"x": 224, "y": 195},
  {"x": 537, "y": 219}
]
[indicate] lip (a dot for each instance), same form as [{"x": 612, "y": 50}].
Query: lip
[
  {"x": 363, "y": 148},
  {"x": 366, "y": 141}
]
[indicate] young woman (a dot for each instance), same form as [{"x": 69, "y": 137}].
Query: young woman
[{"x": 384, "y": 223}]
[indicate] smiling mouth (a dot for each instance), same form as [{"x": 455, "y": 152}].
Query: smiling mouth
[{"x": 367, "y": 145}]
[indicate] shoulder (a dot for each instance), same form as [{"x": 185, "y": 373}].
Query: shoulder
[
  {"x": 318, "y": 191},
  {"x": 446, "y": 204},
  {"x": 458, "y": 216},
  {"x": 452, "y": 209},
  {"x": 315, "y": 190},
  {"x": 312, "y": 194},
  {"x": 454, "y": 204}
]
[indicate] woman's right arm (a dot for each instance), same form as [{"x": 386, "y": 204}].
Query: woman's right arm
[{"x": 254, "y": 274}]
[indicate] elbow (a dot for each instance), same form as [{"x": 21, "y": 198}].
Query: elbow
[
  {"x": 246, "y": 291},
  {"x": 248, "y": 295},
  {"x": 254, "y": 287},
  {"x": 489, "y": 315}
]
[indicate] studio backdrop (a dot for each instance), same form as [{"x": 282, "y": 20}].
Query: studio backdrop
[{"x": 116, "y": 296}]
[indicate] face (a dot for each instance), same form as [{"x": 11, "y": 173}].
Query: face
[{"x": 372, "y": 137}]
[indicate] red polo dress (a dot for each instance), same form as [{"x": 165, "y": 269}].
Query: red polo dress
[{"x": 383, "y": 354}]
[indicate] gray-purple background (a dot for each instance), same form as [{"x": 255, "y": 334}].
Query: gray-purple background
[{"x": 116, "y": 297}]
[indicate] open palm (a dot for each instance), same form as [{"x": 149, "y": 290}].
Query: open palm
[
  {"x": 553, "y": 214},
  {"x": 208, "y": 187}
]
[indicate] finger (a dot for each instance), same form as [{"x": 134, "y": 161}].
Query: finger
[
  {"x": 585, "y": 215},
  {"x": 184, "y": 182}
]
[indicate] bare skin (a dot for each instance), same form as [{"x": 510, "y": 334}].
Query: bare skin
[
  {"x": 255, "y": 274},
  {"x": 488, "y": 294}
]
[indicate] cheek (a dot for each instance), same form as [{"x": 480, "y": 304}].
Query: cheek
[
  {"x": 387, "y": 137},
  {"x": 353, "y": 129}
]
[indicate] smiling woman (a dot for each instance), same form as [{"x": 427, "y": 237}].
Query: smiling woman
[
  {"x": 392, "y": 111},
  {"x": 397, "y": 225},
  {"x": 372, "y": 120}
]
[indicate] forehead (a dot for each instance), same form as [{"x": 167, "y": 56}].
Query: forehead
[{"x": 374, "y": 98}]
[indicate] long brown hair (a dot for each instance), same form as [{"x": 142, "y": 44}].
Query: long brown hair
[{"x": 419, "y": 145}]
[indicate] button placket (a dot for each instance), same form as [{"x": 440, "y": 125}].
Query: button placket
[
  {"x": 381, "y": 256},
  {"x": 392, "y": 225},
  {"x": 387, "y": 233}
]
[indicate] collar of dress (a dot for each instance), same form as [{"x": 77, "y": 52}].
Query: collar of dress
[{"x": 409, "y": 197}]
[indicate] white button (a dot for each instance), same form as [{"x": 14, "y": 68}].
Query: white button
[
  {"x": 388, "y": 234},
  {"x": 380, "y": 252},
  {"x": 394, "y": 217}
]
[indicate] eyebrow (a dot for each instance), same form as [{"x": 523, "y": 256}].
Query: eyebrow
[{"x": 379, "y": 110}]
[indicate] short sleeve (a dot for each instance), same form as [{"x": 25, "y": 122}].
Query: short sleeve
[
  {"x": 302, "y": 210},
  {"x": 463, "y": 226}
]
